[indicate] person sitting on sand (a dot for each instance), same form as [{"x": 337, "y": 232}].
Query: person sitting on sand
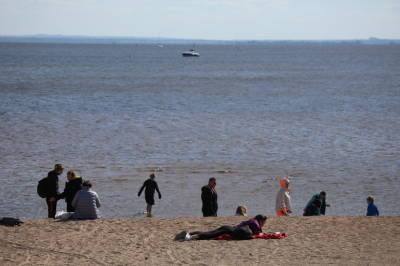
[
  {"x": 322, "y": 198},
  {"x": 73, "y": 185},
  {"x": 283, "y": 201},
  {"x": 241, "y": 211},
  {"x": 313, "y": 208},
  {"x": 151, "y": 186},
  {"x": 243, "y": 231},
  {"x": 372, "y": 209},
  {"x": 86, "y": 203},
  {"x": 209, "y": 198}
]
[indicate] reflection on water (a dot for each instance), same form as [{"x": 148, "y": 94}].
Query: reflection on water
[{"x": 325, "y": 114}]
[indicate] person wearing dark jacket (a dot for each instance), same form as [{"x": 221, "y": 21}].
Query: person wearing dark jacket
[
  {"x": 52, "y": 190},
  {"x": 73, "y": 185},
  {"x": 322, "y": 198},
  {"x": 372, "y": 210},
  {"x": 151, "y": 186},
  {"x": 313, "y": 208},
  {"x": 209, "y": 198}
]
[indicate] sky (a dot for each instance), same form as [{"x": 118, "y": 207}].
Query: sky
[{"x": 204, "y": 19}]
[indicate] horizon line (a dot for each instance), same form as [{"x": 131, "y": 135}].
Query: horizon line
[{"x": 70, "y": 36}]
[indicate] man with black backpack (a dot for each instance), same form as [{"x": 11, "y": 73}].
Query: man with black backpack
[{"x": 51, "y": 189}]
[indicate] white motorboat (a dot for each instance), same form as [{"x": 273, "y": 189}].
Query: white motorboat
[{"x": 191, "y": 53}]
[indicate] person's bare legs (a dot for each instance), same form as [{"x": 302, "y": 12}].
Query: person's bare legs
[{"x": 149, "y": 210}]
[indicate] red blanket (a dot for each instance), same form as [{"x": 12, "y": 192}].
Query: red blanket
[{"x": 276, "y": 235}]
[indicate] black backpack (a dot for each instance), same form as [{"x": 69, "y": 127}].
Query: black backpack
[
  {"x": 10, "y": 221},
  {"x": 42, "y": 187}
]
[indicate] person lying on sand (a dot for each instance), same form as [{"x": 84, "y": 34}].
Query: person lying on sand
[{"x": 243, "y": 231}]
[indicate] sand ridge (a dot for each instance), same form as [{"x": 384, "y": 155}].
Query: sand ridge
[{"x": 149, "y": 241}]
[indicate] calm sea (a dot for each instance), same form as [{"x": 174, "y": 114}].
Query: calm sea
[{"x": 326, "y": 115}]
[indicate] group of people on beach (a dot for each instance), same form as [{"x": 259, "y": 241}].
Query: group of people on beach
[
  {"x": 83, "y": 202},
  {"x": 316, "y": 205},
  {"x": 209, "y": 198}
]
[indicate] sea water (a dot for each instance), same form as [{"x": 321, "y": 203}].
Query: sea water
[{"x": 327, "y": 115}]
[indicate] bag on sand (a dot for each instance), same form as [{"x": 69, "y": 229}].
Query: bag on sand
[
  {"x": 10, "y": 221},
  {"x": 42, "y": 187},
  {"x": 63, "y": 216}
]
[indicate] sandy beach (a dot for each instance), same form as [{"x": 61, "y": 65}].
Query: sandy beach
[{"x": 149, "y": 241}]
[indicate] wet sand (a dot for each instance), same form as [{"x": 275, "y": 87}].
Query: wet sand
[{"x": 149, "y": 241}]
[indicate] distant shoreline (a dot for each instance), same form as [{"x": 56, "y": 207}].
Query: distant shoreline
[{"x": 138, "y": 40}]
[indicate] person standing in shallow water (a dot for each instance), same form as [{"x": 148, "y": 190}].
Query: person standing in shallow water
[
  {"x": 209, "y": 198},
  {"x": 52, "y": 190},
  {"x": 150, "y": 186}
]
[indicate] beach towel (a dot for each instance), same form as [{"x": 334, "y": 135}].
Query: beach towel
[{"x": 275, "y": 235}]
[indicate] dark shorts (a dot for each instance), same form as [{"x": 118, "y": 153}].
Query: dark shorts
[{"x": 150, "y": 200}]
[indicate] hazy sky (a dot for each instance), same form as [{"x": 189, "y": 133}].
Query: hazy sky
[{"x": 206, "y": 19}]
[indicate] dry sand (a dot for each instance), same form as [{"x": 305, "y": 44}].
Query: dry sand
[{"x": 149, "y": 241}]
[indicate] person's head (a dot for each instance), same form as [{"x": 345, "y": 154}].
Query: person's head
[
  {"x": 71, "y": 175},
  {"x": 212, "y": 182},
  {"x": 261, "y": 219},
  {"x": 152, "y": 176},
  {"x": 58, "y": 168},
  {"x": 322, "y": 194},
  {"x": 87, "y": 184},
  {"x": 370, "y": 199},
  {"x": 284, "y": 183},
  {"x": 241, "y": 211}
]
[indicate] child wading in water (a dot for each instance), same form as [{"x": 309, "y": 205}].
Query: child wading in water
[{"x": 150, "y": 186}]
